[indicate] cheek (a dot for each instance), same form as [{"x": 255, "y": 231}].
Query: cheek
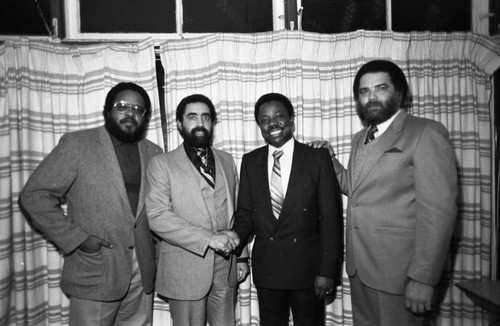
[
  {"x": 363, "y": 99},
  {"x": 207, "y": 125},
  {"x": 139, "y": 119}
]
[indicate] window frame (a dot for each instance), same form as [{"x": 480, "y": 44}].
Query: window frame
[{"x": 73, "y": 23}]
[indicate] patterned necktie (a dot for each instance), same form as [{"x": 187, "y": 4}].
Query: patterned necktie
[
  {"x": 204, "y": 169},
  {"x": 370, "y": 135},
  {"x": 276, "y": 187}
]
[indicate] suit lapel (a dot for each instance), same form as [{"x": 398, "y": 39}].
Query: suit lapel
[
  {"x": 385, "y": 142},
  {"x": 294, "y": 182},
  {"x": 221, "y": 175},
  {"x": 110, "y": 163},
  {"x": 188, "y": 172},
  {"x": 143, "y": 156},
  {"x": 261, "y": 178}
]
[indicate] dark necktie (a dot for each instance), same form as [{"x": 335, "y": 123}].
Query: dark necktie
[
  {"x": 204, "y": 169},
  {"x": 370, "y": 135},
  {"x": 276, "y": 188}
]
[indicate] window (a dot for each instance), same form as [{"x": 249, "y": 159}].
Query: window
[
  {"x": 163, "y": 19},
  {"x": 406, "y": 15}
]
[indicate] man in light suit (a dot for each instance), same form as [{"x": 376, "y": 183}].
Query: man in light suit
[
  {"x": 190, "y": 205},
  {"x": 296, "y": 220},
  {"x": 109, "y": 262},
  {"x": 402, "y": 189}
]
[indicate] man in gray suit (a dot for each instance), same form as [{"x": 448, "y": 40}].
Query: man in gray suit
[
  {"x": 109, "y": 263},
  {"x": 190, "y": 203},
  {"x": 402, "y": 187}
]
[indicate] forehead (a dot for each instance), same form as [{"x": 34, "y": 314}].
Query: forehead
[
  {"x": 129, "y": 96},
  {"x": 375, "y": 78},
  {"x": 272, "y": 107},
  {"x": 197, "y": 108}
]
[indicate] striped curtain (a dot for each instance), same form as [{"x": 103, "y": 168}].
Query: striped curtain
[
  {"x": 449, "y": 75},
  {"x": 46, "y": 90}
]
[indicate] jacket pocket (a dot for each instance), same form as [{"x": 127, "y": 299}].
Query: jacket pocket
[{"x": 85, "y": 269}]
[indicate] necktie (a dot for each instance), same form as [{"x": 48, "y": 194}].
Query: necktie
[
  {"x": 204, "y": 169},
  {"x": 276, "y": 188},
  {"x": 370, "y": 135}
]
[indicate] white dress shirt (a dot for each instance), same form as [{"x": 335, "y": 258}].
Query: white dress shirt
[
  {"x": 384, "y": 125},
  {"x": 285, "y": 163}
]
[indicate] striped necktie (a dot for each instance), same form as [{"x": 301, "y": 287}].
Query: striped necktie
[
  {"x": 204, "y": 169},
  {"x": 276, "y": 187},
  {"x": 370, "y": 135}
]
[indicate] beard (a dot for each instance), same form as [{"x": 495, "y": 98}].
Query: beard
[
  {"x": 196, "y": 141},
  {"x": 386, "y": 109},
  {"x": 128, "y": 135}
]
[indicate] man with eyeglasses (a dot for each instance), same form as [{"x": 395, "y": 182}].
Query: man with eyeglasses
[{"x": 109, "y": 264}]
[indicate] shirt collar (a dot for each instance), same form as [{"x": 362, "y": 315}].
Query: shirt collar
[
  {"x": 287, "y": 148},
  {"x": 385, "y": 125},
  {"x": 191, "y": 151}
]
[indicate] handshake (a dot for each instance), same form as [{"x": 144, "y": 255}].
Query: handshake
[{"x": 224, "y": 242}]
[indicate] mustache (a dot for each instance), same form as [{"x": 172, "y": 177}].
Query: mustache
[
  {"x": 197, "y": 129},
  {"x": 274, "y": 126},
  {"x": 374, "y": 103},
  {"x": 132, "y": 120}
]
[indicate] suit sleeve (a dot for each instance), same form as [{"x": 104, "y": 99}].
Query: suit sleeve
[
  {"x": 436, "y": 189},
  {"x": 162, "y": 216},
  {"x": 43, "y": 194},
  {"x": 243, "y": 222},
  {"x": 341, "y": 174},
  {"x": 331, "y": 225}
]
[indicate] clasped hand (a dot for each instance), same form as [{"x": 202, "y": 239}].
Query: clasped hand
[{"x": 224, "y": 242}]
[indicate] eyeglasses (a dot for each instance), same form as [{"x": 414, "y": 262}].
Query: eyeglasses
[{"x": 123, "y": 107}]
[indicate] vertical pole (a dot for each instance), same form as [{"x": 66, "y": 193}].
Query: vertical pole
[
  {"x": 179, "y": 17},
  {"x": 388, "y": 15},
  {"x": 291, "y": 14}
]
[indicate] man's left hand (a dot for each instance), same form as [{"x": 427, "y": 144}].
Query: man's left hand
[
  {"x": 243, "y": 270},
  {"x": 323, "y": 286},
  {"x": 418, "y": 297},
  {"x": 322, "y": 144}
]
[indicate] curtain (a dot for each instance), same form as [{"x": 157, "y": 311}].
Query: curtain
[
  {"x": 449, "y": 75},
  {"x": 46, "y": 90}
]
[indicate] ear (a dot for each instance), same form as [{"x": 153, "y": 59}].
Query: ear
[{"x": 179, "y": 125}]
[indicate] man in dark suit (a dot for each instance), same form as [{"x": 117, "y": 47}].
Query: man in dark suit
[
  {"x": 109, "y": 263},
  {"x": 291, "y": 204},
  {"x": 402, "y": 187}
]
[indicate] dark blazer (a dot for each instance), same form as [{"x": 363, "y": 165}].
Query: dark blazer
[
  {"x": 306, "y": 240},
  {"x": 83, "y": 170}
]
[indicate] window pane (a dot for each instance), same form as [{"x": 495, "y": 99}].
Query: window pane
[
  {"x": 431, "y": 15},
  {"x": 131, "y": 16},
  {"x": 494, "y": 28},
  {"x": 22, "y": 18},
  {"x": 228, "y": 16},
  {"x": 340, "y": 16}
]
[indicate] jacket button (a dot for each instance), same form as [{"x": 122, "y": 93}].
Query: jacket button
[
  {"x": 271, "y": 238},
  {"x": 131, "y": 247},
  {"x": 294, "y": 240}
]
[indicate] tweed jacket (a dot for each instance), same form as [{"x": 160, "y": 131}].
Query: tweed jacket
[{"x": 83, "y": 172}]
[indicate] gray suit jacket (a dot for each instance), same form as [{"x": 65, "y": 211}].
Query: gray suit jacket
[
  {"x": 178, "y": 214},
  {"x": 83, "y": 171},
  {"x": 402, "y": 206}
]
